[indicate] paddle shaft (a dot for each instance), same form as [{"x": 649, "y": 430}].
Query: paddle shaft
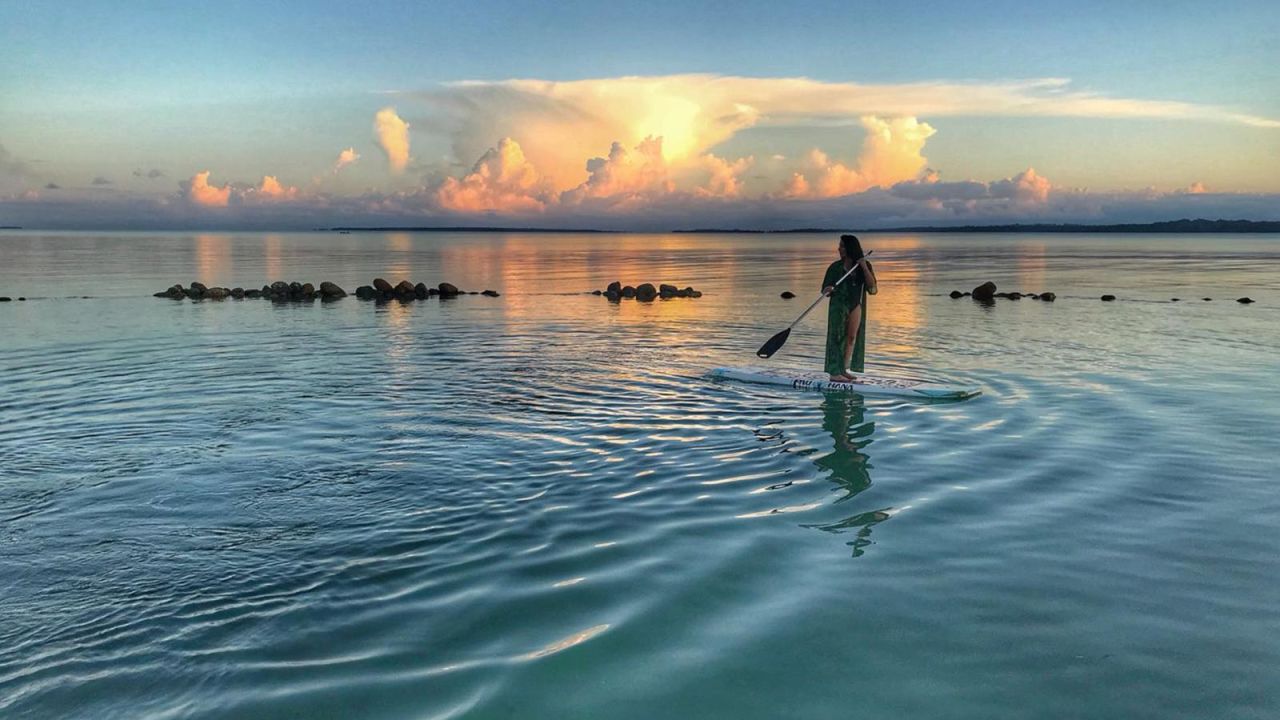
[{"x": 823, "y": 296}]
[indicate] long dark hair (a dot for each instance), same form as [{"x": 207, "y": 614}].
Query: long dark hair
[{"x": 852, "y": 248}]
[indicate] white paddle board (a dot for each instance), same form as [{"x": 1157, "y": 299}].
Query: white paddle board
[{"x": 863, "y": 384}]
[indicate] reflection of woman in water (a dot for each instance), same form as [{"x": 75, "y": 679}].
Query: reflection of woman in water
[
  {"x": 847, "y": 312},
  {"x": 845, "y": 419}
]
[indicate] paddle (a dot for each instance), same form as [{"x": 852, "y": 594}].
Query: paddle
[{"x": 776, "y": 342}]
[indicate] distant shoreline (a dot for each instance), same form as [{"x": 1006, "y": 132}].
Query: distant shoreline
[{"x": 1171, "y": 226}]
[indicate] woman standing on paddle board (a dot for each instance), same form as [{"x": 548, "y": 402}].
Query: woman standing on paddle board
[{"x": 847, "y": 313}]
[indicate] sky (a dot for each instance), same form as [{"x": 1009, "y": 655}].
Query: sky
[{"x": 644, "y": 116}]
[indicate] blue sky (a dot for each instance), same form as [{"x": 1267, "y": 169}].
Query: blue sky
[{"x": 243, "y": 90}]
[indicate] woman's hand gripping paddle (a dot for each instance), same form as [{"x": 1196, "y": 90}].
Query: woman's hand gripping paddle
[{"x": 775, "y": 343}]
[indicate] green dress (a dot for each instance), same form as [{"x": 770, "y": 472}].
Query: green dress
[{"x": 849, "y": 296}]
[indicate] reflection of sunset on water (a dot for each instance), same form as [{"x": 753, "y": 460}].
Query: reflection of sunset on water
[
  {"x": 1031, "y": 267},
  {"x": 213, "y": 258},
  {"x": 271, "y": 258}
]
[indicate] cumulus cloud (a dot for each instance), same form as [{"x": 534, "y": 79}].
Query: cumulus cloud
[
  {"x": 198, "y": 191},
  {"x": 1196, "y": 188},
  {"x": 392, "y": 135},
  {"x": 99, "y": 180},
  {"x": 152, "y": 174},
  {"x": 347, "y": 157},
  {"x": 625, "y": 177},
  {"x": 558, "y": 124},
  {"x": 725, "y": 177},
  {"x": 892, "y": 152},
  {"x": 1026, "y": 187},
  {"x": 502, "y": 180},
  {"x": 271, "y": 189},
  {"x": 52, "y": 186}
]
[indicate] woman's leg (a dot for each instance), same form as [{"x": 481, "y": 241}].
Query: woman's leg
[{"x": 854, "y": 321}]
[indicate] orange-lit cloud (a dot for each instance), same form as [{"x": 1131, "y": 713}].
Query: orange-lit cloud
[
  {"x": 625, "y": 177},
  {"x": 725, "y": 177},
  {"x": 271, "y": 188},
  {"x": 347, "y": 157},
  {"x": 891, "y": 153},
  {"x": 392, "y": 135},
  {"x": 502, "y": 180},
  {"x": 199, "y": 191}
]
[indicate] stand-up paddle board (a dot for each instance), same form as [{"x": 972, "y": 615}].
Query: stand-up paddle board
[{"x": 862, "y": 384}]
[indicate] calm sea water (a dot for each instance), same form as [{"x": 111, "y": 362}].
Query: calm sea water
[{"x": 535, "y": 506}]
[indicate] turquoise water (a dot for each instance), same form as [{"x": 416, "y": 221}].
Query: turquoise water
[{"x": 534, "y": 506}]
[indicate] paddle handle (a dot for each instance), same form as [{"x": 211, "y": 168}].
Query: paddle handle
[{"x": 823, "y": 295}]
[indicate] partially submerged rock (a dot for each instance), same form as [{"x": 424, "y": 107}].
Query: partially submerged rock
[
  {"x": 646, "y": 292},
  {"x": 1244, "y": 300},
  {"x": 490, "y": 293},
  {"x": 986, "y": 291},
  {"x": 1108, "y": 298},
  {"x": 787, "y": 295}
]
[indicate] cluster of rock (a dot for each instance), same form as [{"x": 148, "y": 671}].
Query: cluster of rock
[
  {"x": 279, "y": 291},
  {"x": 405, "y": 291},
  {"x": 645, "y": 292},
  {"x": 986, "y": 292},
  {"x": 6, "y": 298}
]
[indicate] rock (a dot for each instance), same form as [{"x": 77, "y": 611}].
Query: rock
[
  {"x": 1014, "y": 296},
  {"x": 684, "y": 293},
  {"x": 1108, "y": 298},
  {"x": 613, "y": 295},
  {"x": 308, "y": 289},
  {"x": 217, "y": 293},
  {"x": 954, "y": 294},
  {"x": 695, "y": 293},
  {"x": 193, "y": 293},
  {"x": 1001, "y": 295},
  {"x": 365, "y": 292},
  {"x": 404, "y": 289},
  {"x": 596, "y": 292},
  {"x": 237, "y": 293},
  {"x": 667, "y": 291},
  {"x": 628, "y": 292},
  {"x": 646, "y": 292},
  {"x": 985, "y": 291},
  {"x": 432, "y": 292},
  {"x": 251, "y": 293},
  {"x": 420, "y": 291},
  {"x": 473, "y": 292},
  {"x": 615, "y": 286},
  {"x": 22, "y": 299},
  {"x": 1033, "y": 296},
  {"x": 199, "y": 287},
  {"x": 689, "y": 292},
  {"x": 1244, "y": 300},
  {"x": 1207, "y": 299},
  {"x": 1047, "y": 297},
  {"x": 1175, "y": 300},
  {"x": 448, "y": 289},
  {"x": 331, "y": 291},
  {"x": 787, "y": 295},
  {"x": 279, "y": 288},
  {"x": 490, "y": 293},
  {"x": 382, "y": 286},
  {"x": 9, "y": 299}
]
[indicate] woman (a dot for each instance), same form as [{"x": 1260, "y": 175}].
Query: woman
[{"x": 847, "y": 313}]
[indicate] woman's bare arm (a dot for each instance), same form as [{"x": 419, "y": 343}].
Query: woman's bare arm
[{"x": 870, "y": 275}]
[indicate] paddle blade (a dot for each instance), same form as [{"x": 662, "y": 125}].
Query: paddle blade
[{"x": 773, "y": 344}]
